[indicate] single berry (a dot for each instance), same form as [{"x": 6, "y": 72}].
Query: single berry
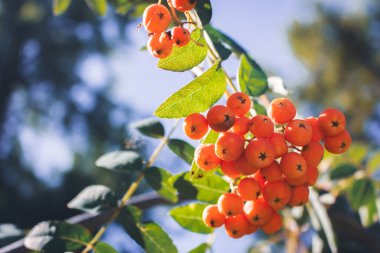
[
  {"x": 276, "y": 194},
  {"x": 261, "y": 126},
  {"x": 195, "y": 126},
  {"x": 331, "y": 122},
  {"x": 229, "y": 146},
  {"x": 293, "y": 165},
  {"x": 297, "y": 181},
  {"x": 272, "y": 172},
  {"x": 160, "y": 45},
  {"x": 313, "y": 153},
  {"x": 317, "y": 134},
  {"x": 338, "y": 144},
  {"x": 184, "y": 5},
  {"x": 311, "y": 176},
  {"x": 212, "y": 217},
  {"x": 230, "y": 204},
  {"x": 237, "y": 226},
  {"x": 279, "y": 144},
  {"x": 239, "y": 103},
  {"x": 241, "y": 125},
  {"x": 244, "y": 167},
  {"x": 205, "y": 157},
  {"x": 156, "y": 18},
  {"x": 281, "y": 110},
  {"x": 300, "y": 195},
  {"x": 220, "y": 118},
  {"x": 298, "y": 132},
  {"x": 273, "y": 225},
  {"x": 180, "y": 36},
  {"x": 259, "y": 153},
  {"x": 257, "y": 212},
  {"x": 249, "y": 189},
  {"x": 259, "y": 178},
  {"x": 228, "y": 168}
]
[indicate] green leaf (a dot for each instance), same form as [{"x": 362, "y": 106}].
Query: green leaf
[
  {"x": 207, "y": 189},
  {"x": 158, "y": 179},
  {"x": 187, "y": 57},
  {"x": 190, "y": 217},
  {"x": 251, "y": 77},
  {"x": 368, "y": 213},
  {"x": 373, "y": 163},
  {"x": 197, "y": 96},
  {"x": 9, "y": 233},
  {"x": 150, "y": 236},
  {"x": 357, "y": 153},
  {"x": 122, "y": 161},
  {"x": 222, "y": 39},
  {"x": 259, "y": 108},
  {"x": 60, "y": 6},
  {"x": 57, "y": 236},
  {"x": 182, "y": 149},
  {"x": 342, "y": 171},
  {"x": 204, "y": 11},
  {"x": 99, "y": 7},
  {"x": 94, "y": 199},
  {"x": 211, "y": 137},
  {"x": 202, "y": 248},
  {"x": 102, "y": 247},
  {"x": 361, "y": 192},
  {"x": 150, "y": 127}
]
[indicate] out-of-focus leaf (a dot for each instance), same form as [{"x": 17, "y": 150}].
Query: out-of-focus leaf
[
  {"x": 251, "y": 77},
  {"x": 102, "y": 247},
  {"x": 94, "y": 199},
  {"x": 57, "y": 236},
  {"x": 342, "y": 171},
  {"x": 99, "y": 7},
  {"x": 361, "y": 192},
  {"x": 368, "y": 213},
  {"x": 123, "y": 161},
  {"x": 187, "y": 57},
  {"x": 9, "y": 233},
  {"x": 190, "y": 217},
  {"x": 197, "y": 96},
  {"x": 60, "y": 6},
  {"x": 202, "y": 248},
  {"x": 158, "y": 179},
  {"x": 259, "y": 108},
  {"x": 204, "y": 11},
  {"x": 373, "y": 162},
  {"x": 182, "y": 149},
  {"x": 150, "y": 127},
  {"x": 357, "y": 152}
]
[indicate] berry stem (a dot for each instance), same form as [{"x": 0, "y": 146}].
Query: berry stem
[{"x": 131, "y": 190}]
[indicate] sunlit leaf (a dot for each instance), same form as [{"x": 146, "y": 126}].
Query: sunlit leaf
[
  {"x": 123, "y": 161},
  {"x": 60, "y": 6},
  {"x": 190, "y": 217},
  {"x": 94, "y": 199},
  {"x": 182, "y": 149},
  {"x": 149, "y": 127},
  {"x": 251, "y": 77},
  {"x": 102, "y": 247},
  {"x": 202, "y": 248},
  {"x": 197, "y": 96},
  {"x": 158, "y": 179},
  {"x": 187, "y": 57},
  {"x": 57, "y": 236}
]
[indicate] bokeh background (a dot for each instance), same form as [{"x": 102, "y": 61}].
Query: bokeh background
[{"x": 71, "y": 85}]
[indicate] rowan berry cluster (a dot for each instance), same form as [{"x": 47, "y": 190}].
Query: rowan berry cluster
[
  {"x": 156, "y": 20},
  {"x": 271, "y": 160}
]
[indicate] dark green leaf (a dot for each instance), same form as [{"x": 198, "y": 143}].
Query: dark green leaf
[
  {"x": 102, "y": 247},
  {"x": 219, "y": 37},
  {"x": 197, "y": 96},
  {"x": 158, "y": 179},
  {"x": 190, "y": 217},
  {"x": 342, "y": 171},
  {"x": 368, "y": 213},
  {"x": 99, "y": 7},
  {"x": 57, "y": 236},
  {"x": 202, "y": 248},
  {"x": 182, "y": 149},
  {"x": 260, "y": 109},
  {"x": 204, "y": 11},
  {"x": 187, "y": 57},
  {"x": 130, "y": 218},
  {"x": 94, "y": 199},
  {"x": 9, "y": 233},
  {"x": 251, "y": 77},
  {"x": 123, "y": 161},
  {"x": 361, "y": 192},
  {"x": 150, "y": 127},
  {"x": 60, "y": 6}
]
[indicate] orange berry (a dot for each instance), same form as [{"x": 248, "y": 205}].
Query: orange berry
[
  {"x": 261, "y": 126},
  {"x": 180, "y": 36},
  {"x": 220, "y": 118},
  {"x": 312, "y": 176},
  {"x": 160, "y": 45},
  {"x": 298, "y": 132},
  {"x": 338, "y": 144},
  {"x": 244, "y": 167},
  {"x": 300, "y": 195},
  {"x": 257, "y": 212},
  {"x": 156, "y": 18},
  {"x": 272, "y": 172},
  {"x": 228, "y": 168},
  {"x": 229, "y": 146},
  {"x": 230, "y": 204},
  {"x": 331, "y": 122},
  {"x": 297, "y": 181},
  {"x": 273, "y": 225},
  {"x": 239, "y": 103},
  {"x": 293, "y": 165},
  {"x": 279, "y": 144},
  {"x": 184, "y": 5},
  {"x": 259, "y": 178},
  {"x": 259, "y": 153},
  {"x": 237, "y": 226},
  {"x": 251, "y": 228},
  {"x": 205, "y": 157},
  {"x": 317, "y": 134},
  {"x": 313, "y": 153},
  {"x": 276, "y": 194},
  {"x": 212, "y": 217},
  {"x": 281, "y": 110},
  {"x": 249, "y": 189},
  {"x": 195, "y": 126},
  {"x": 241, "y": 125}
]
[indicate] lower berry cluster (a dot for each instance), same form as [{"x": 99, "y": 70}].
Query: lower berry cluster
[{"x": 270, "y": 160}]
